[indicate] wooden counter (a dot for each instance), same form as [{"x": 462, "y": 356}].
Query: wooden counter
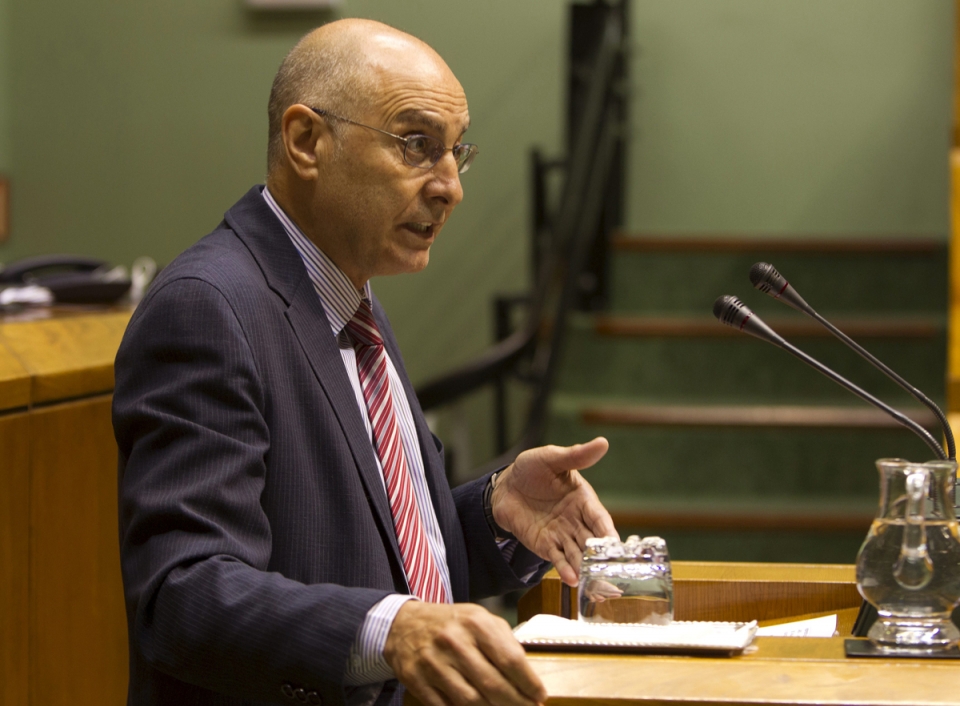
[
  {"x": 62, "y": 623},
  {"x": 774, "y": 670},
  {"x": 781, "y": 671}
]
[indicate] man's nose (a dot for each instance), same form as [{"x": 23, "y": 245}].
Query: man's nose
[{"x": 445, "y": 182}]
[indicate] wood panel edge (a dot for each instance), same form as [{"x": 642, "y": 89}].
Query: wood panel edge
[
  {"x": 884, "y": 244},
  {"x": 15, "y": 381},
  {"x": 72, "y": 385},
  {"x": 736, "y": 596},
  {"x": 953, "y": 319}
]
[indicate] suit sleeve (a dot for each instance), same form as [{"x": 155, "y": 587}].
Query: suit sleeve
[
  {"x": 195, "y": 542},
  {"x": 493, "y": 571}
]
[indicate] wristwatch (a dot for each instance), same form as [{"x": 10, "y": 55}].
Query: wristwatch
[{"x": 499, "y": 533}]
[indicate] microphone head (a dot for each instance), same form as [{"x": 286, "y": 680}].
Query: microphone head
[
  {"x": 731, "y": 311},
  {"x": 765, "y": 277},
  {"x": 734, "y": 313}
]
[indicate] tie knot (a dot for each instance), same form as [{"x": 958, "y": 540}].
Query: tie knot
[{"x": 363, "y": 328}]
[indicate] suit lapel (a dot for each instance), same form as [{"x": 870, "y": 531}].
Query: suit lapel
[
  {"x": 286, "y": 274},
  {"x": 310, "y": 325}
]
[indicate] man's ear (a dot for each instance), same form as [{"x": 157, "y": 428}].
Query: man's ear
[{"x": 305, "y": 140}]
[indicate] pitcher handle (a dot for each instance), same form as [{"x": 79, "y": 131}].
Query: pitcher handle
[{"x": 914, "y": 569}]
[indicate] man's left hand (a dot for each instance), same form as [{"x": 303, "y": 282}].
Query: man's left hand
[{"x": 544, "y": 501}]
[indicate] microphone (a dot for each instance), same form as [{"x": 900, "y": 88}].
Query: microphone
[
  {"x": 768, "y": 280},
  {"x": 765, "y": 277},
  {"x": 733, "y": 312}
]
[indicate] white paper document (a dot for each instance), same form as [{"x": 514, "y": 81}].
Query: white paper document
[
  {"x": 814, "y": 627},
  {"x": 551, "y": 631}
]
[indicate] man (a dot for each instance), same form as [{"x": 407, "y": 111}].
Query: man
[{"x": 282, "y": 503}]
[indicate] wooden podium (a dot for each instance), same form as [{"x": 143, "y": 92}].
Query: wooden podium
[{"x": 780, "y": 670}]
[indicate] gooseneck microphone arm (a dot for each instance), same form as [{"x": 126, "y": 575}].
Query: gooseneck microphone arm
[
  {"x": 732, "y": 312},
  {"x": 919, "y": 396},
  {"x": 768, "y": 280}
]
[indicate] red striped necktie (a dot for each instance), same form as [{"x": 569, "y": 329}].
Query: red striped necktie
[{"x": 418, "y": 563}]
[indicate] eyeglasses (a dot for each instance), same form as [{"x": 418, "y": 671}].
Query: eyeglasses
[{"x": 421, "y": 151}]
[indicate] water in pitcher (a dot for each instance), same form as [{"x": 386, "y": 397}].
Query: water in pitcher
[{"x": 929, "y": 588}]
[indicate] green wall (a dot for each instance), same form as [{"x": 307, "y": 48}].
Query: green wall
[
  {"x": 135, "y": 125},
  {"x": 5, "y": 104},
  {"x": 129, "y": 127},
  {"x": 799, "y": 116}
]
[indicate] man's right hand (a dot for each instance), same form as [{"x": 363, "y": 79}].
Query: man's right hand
[{"x": 460, "y": 654}]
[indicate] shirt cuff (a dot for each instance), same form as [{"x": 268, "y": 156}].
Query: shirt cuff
[{"x": 366, "y": 664}]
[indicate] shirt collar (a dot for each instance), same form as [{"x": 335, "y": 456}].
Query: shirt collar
[{"x": 339, "y": 297}]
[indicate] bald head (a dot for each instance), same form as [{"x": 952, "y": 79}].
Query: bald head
[
  {"x": 338, "y": 67},
  {"x": 356, "y": 181}
]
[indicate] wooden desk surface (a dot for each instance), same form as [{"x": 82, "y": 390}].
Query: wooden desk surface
[
  {"x": 778, "y": 671},
  {"x": 58, "y": 354},
  {"x": 782, "y": 670}
]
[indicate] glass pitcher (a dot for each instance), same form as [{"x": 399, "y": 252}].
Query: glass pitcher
[{"x": 909, "y": 564}]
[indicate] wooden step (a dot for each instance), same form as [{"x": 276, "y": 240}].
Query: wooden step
[
  {"x": 732, "y": 243},
  {"x": 742, "y": 520},
  {"x": 752, "y": 416},
  {"x": 656, "y": 514},
  {"x": 625, "y": 325}
]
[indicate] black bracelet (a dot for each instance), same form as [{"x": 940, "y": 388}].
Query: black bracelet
[{"x": 500, "y": 534}]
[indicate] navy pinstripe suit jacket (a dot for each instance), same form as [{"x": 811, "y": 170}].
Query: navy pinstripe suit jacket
[{"x": 255, "y": 533}]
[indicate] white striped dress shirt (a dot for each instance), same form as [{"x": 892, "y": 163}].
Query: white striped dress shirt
[{"x": 340, "y": 301}]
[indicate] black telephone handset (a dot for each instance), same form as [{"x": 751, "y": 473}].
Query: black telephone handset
[{"x": 73, "y": 279}]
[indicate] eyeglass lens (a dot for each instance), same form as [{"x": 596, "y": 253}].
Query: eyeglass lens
[{"x": 425, "y": 151}]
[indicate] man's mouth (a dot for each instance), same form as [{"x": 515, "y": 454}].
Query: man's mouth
[{"x": 422, "y": 229}]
